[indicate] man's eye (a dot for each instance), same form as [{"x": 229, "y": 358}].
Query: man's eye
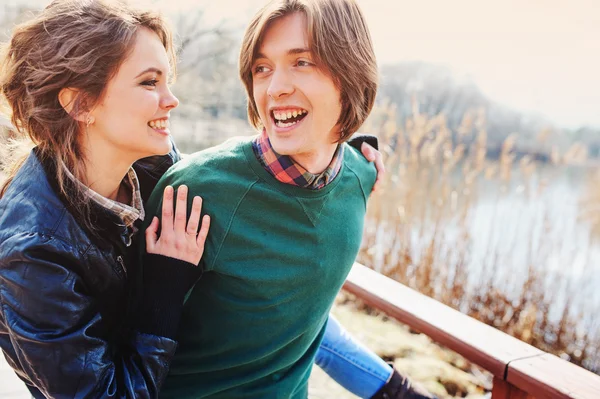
[
  {"x": 260, "y": 69},
  {"x": 304, "y": 63},
  {"x": 152, "y": 82}
]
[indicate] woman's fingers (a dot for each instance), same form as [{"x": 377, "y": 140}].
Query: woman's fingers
[
  {"x": 152, "y": 235},
  {"x": 167, "y": 212},
  {"x": 181, "y": 209},
  {"x": 380, "y": 171},
  {"x": 203, "y": 232},
  {"x": 373, "y": 155},
  {"x": 179, "y": 239},
  {"x": 194, "y": 221},
  {"x": 368, "y": 151}
]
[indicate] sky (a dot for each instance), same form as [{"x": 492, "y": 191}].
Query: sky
[{"x": 533, "y": 55}]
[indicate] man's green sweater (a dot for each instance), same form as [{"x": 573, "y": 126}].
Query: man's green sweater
[{"x": 275, "y": 257}]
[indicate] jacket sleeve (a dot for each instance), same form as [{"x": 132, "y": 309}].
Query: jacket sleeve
[
  {"x": 55, "y": 328},
  {"x": 357, "y": 139}
]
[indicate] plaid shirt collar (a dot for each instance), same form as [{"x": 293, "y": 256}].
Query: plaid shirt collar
[
  {"x": 285, "y": 170},
  {"x": 128, "y": 213}
]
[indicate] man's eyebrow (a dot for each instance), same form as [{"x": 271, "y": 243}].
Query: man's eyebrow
[
  {"x": 298, "y": 51},
  {"x": 292, "y": 51},
  {"x": 151, "y": 69}
]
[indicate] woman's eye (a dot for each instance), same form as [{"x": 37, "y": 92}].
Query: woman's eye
[
  {"x": 152, "y": 83},
  {"x": 304, "y": 63}
]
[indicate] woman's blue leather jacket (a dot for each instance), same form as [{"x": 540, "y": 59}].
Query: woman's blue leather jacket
[{"x": 64, "y": 293}]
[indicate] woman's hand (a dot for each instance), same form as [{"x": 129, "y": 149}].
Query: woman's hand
[
  {"x": 176, "y": 239},
  {"x": 372, "y": 155}
]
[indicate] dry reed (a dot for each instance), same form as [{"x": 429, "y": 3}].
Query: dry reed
[{"x": 420, "y": 232}]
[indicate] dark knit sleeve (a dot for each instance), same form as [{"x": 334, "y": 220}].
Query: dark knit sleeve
[
  {"x": 165, "y": 283},
  {"x": 357, "y": 139}
]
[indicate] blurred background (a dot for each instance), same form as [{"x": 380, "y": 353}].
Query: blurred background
[{"x": 488, "y": 116}]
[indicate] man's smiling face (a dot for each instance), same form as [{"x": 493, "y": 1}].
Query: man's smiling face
[{"x": 298, "y": 102}]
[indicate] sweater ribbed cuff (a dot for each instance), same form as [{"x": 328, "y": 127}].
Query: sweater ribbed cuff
[{"x": 165, "y": 282}]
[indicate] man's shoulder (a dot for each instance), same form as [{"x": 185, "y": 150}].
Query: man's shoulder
[
  {"x": 216, "y": 162},
  {"x": 220, "y": 175},
  {"x": 215, "y": 173},
  {"x": 358, "y": 165},
  {"x": 230, "y": 152}
]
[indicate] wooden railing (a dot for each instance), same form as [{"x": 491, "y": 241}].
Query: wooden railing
[{"x": 520, "y": 370}]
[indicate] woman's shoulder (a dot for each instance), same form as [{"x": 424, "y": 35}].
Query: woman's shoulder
[{"x": 31, "y": 208}]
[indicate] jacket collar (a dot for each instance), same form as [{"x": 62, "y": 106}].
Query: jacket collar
[{"x": 108, "y": 228}]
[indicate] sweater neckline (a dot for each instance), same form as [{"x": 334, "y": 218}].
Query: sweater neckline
[{"x": 289, "y": 189}]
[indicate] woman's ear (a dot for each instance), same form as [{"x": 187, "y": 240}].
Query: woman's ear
[{"x": 67, "y": 98}]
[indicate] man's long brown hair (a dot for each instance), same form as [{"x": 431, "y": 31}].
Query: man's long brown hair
[{"x": 341, "y": 44}]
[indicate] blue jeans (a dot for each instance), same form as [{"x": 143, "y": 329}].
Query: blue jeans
[{"x": 349, "y": 363}]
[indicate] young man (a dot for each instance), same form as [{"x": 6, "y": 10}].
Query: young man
[{"x": 286, "y": 207}]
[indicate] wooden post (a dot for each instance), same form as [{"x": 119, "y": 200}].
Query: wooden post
[{"x": 504, "y": 390}]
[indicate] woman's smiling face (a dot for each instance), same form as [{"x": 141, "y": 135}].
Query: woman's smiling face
[{"x": 132, "y": 116}]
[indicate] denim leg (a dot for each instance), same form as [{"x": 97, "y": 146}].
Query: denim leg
[{"x": 349, "y": 363}]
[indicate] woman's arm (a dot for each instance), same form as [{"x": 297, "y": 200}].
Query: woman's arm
[
  {"x": 171, "y": 262},
  {"x": 57, "y": 333}
]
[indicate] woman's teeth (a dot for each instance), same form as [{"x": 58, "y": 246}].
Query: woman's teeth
[{"x": 159, "y": 124}]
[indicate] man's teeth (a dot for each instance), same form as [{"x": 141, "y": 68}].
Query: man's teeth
[
  {"x": 283, "y": 115},
  {"x": 283, "y": 124},
  {"x": 159, "y": 124}
]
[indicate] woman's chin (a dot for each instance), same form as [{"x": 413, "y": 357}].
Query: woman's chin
[{"x": 162, "y": 149}]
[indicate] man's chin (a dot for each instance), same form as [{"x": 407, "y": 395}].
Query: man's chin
[{"x": 283, "y": 148}]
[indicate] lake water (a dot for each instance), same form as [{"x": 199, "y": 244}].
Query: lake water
[{"x": 536, "y": 223}]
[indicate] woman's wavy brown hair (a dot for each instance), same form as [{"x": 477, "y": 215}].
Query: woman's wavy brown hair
[
  {"x": 76, "y": 44},
  {"x": 341, "y": 44}
]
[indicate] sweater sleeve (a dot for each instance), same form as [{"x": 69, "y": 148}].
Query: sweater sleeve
[{"x": 165, "y": 282}]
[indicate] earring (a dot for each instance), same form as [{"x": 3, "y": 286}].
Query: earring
[{"x": 89, "y": 121}]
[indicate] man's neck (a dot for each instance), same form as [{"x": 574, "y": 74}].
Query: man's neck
[{"x": 316, "y": 162}]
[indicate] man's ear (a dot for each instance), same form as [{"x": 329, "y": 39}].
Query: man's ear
[{"x": 67, "y": 98}]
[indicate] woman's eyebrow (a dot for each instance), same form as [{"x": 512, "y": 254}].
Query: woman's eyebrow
[{"x": 151, "y": 69}]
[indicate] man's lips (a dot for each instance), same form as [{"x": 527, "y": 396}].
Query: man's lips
[{"x": 288, "y": 116}]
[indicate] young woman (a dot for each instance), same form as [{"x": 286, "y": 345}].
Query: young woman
[{"x": 87, "y": 82}]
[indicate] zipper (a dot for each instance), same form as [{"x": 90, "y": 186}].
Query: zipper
[{"x": 122, "y": 263}]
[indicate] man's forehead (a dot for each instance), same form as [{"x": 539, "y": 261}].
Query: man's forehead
[{"x": 285, "y": 33}]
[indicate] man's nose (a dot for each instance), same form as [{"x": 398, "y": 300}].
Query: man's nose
[{"x": 280, "y": 84}]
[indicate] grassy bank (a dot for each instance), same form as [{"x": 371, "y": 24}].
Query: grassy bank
[{"x": 441, "y": 371}]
